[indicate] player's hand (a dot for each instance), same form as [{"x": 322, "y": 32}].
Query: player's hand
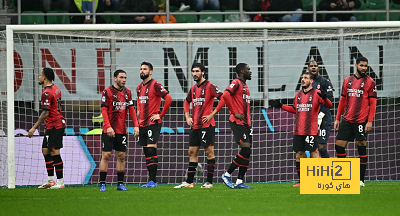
[
  {"x": 31, "y": 131},
  {"x": 110, "y": 132},
  {"x": 275, "y": 103},
  {"x": 336, "y": 125},
  {"x": 205, "y": 119},
  {"x": 333, "y": 5},
  {"x": 368, "y": 127},
  {"x": 322, "y": 95},
  {"x": 155, "y": 117},
  {"x": 239, "y": 116},
  {"x": 189, "y": 121},
  {"x": 136, "y": 131}
]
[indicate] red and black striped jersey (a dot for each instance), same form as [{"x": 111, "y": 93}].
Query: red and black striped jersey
[
  {"x": 51, "y": 101},
  {"x": 202, "y": 99},
  {"x": 307, "y": 105},
  {"x": 117, "y": 102},
  {"x": 240, "y": 100},
  {"x": 357, "y": 92},
  {"x": 149, "y": 101}
]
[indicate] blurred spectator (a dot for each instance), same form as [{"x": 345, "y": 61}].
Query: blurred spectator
[
  {"x": 82, "y": 6},
  {"x": 201, "y": 4},
  {"x": 232, "y": 4},
  {"x": 161, "y": 9},
  {"x": 137, "y": 6},
  {"x": 111, "y": 5},
  {"x": 339, "y": 5},
  {"x": 30, "y": 5},
  {"x": 252, "y": 5},
  {"x": 264, "y": 7},
  {"x": 52, "y": 5},
  {"x": 181, "y": 4},
  {"x": 285, "y": 5}
]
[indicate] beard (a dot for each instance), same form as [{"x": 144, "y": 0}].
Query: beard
[
  {"x": 41, "y": 83},
  {"x": 143, "y": 77},
  {"x": 361, "y": 73},
  {"x": 305, "y": 86}
]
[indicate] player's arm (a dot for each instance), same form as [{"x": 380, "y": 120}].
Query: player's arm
[
  {"x": 278, "y": 104},
  {"x": 189, "y": 119},
  {"x": 40, "y": 121},
  {"x": 167, "y": 104},
  {"x": 329, "y": 90},
  {"x": 228, "y": 101},
  {"x": 216, "y": 110},
  {"x": 106, "y": 122},
  {"x": 372, "y": 96},
  {"x": 325, "y": 100},
  {"x": 132, "y": 114},
  {"x": 342, "y": 105}
]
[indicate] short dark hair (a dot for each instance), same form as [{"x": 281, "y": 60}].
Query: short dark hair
[
  {"x": 117, "y": 72},
  {"x": 48, "y": 73},
  {"x": 240, "y": 67},
  {"x": 199, "y": 65},
  {"x": 360, "y": 59},
  {"x": 148, "y": 64},
  {"x": 312, "y": 76}
]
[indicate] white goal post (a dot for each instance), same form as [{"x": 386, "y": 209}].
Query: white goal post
[{"x": 276, "y": 53}]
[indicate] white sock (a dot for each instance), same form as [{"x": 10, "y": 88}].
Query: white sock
[
  {"x": 50, "y": 179},
  {"x": 239, "y": 181},
  {"x": 60, "y": 181},
  {"x": 227, "y": 174}
]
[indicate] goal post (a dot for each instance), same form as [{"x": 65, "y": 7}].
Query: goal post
[{"x": 85, "y": 56}]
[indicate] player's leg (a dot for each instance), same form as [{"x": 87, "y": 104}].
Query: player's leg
[
  {"x": 324, "y": 132},
  {"x": 210, "y": 166},
  {"x": 107, "y": 145},
  {"x": 312, "y": 145},
  {"x": 299, "y": 146},
  {"x": 299, "y": 154},
  {"x": 361, "y": 141},
  {"x": 56, "y": 143},
  {"x": 120, "y": 149},
  {"x": 243, "y": 163},
  {"x": 49, "y": 166},
  {"x": 345, "y": 134}
]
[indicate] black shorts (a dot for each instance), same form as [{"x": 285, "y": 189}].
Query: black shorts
[
  {"x": 53, "y": 138},
  {"x": 305, "y": 143},
  {"x": 149, "y": 135},
  {"x": 349, "y": 131},
  {"x": 325, "y": 130},
  {"x": 202, "y": 137},
  {"x": 242, "y": 133},
  {"x": 118, "y": 143}
]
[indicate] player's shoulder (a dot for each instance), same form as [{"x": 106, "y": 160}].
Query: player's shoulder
[{"x": 369, "y": 79}]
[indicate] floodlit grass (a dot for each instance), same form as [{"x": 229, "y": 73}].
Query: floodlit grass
[{"x": 377, "y": 198}]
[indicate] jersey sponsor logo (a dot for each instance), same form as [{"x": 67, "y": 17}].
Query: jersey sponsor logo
[
  {"x": 119, "y": 105},
  {"x": 304, "y": 107},
  {"x": 143, "y": 99},
  {"x": 103, "y": 99},
  {"x": 198, "y": 101},
  {"x": 355, "y": 92},
  {"x": 246, "y": 97}
]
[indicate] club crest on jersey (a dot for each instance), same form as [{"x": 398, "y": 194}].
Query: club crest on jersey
[
  {"x": 103, "y": 99},
  {"x": 244, "y": 136},
  {"x": 349, "y": 83},
  {"x": 126, "y": 97},
  {"x": 202, "y": 92},
  {"x": 318, "y": 86},
  {"x": 310, "y": 98},
  {"x": 362, "y": 85},
  {"x": 147, "y": 91}
]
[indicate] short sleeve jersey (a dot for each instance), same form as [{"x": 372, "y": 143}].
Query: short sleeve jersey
[
  {"x": 51, "y": 101},
  {"x": 240, "y": 100},
  {"x": 357, "y": 92},
  {"x": 149, "y": 101},
  {"x": 117, "y": 102},
  {"x": 307, "y": 105},
  {"x": 202, "y": 99}
]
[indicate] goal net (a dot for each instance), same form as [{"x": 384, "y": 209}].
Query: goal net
[{"x": 85, "y": 57}]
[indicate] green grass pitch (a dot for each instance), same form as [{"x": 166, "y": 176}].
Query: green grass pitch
[{"x": 377, "y": 198}]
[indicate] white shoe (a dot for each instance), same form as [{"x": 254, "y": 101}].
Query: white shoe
[
  {"x": 47, "y": 185},
  {"x": 185, "y": 185},
  {"x": 362, "y": 184},
  {"x": 207, "y": 185},
  {"x": 57, "y": 186},
  {"x": 184, "y": 7}
]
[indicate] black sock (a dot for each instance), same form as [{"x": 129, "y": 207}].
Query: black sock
[
  {"x": 148, "y": 161},
  {"x": 153, "y": 163},
  {"x": 362, "y": 153},
  {"x": 103, "y": 175},
  {"x": 120, "y": 175},
  {"x": 58, "y": 164},
  {"x": 298, "y": 169},
  {"x": 49, "y": 164},
  {"x": 191, "y": 171},
  {"x": 324, "y": 154},
  {"x": 238, "y": 161},
  {"x": 210, "y": 170},
  {"x": 245, "y": 155},
  {"x": 340, "y": 151}
]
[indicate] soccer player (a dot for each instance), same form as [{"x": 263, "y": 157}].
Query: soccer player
[
  {"x": 306, "y": 106},
  {"x": 237, "y": 99},
  {"x": 358, "y": 106},
  {"x": 149, "y": 93},
  {"x": 324, "y": 116},
  {"x": 116, "y": 100},
  {"x": 54, "y": 129},
  {"x": 202, "y": 132}
]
